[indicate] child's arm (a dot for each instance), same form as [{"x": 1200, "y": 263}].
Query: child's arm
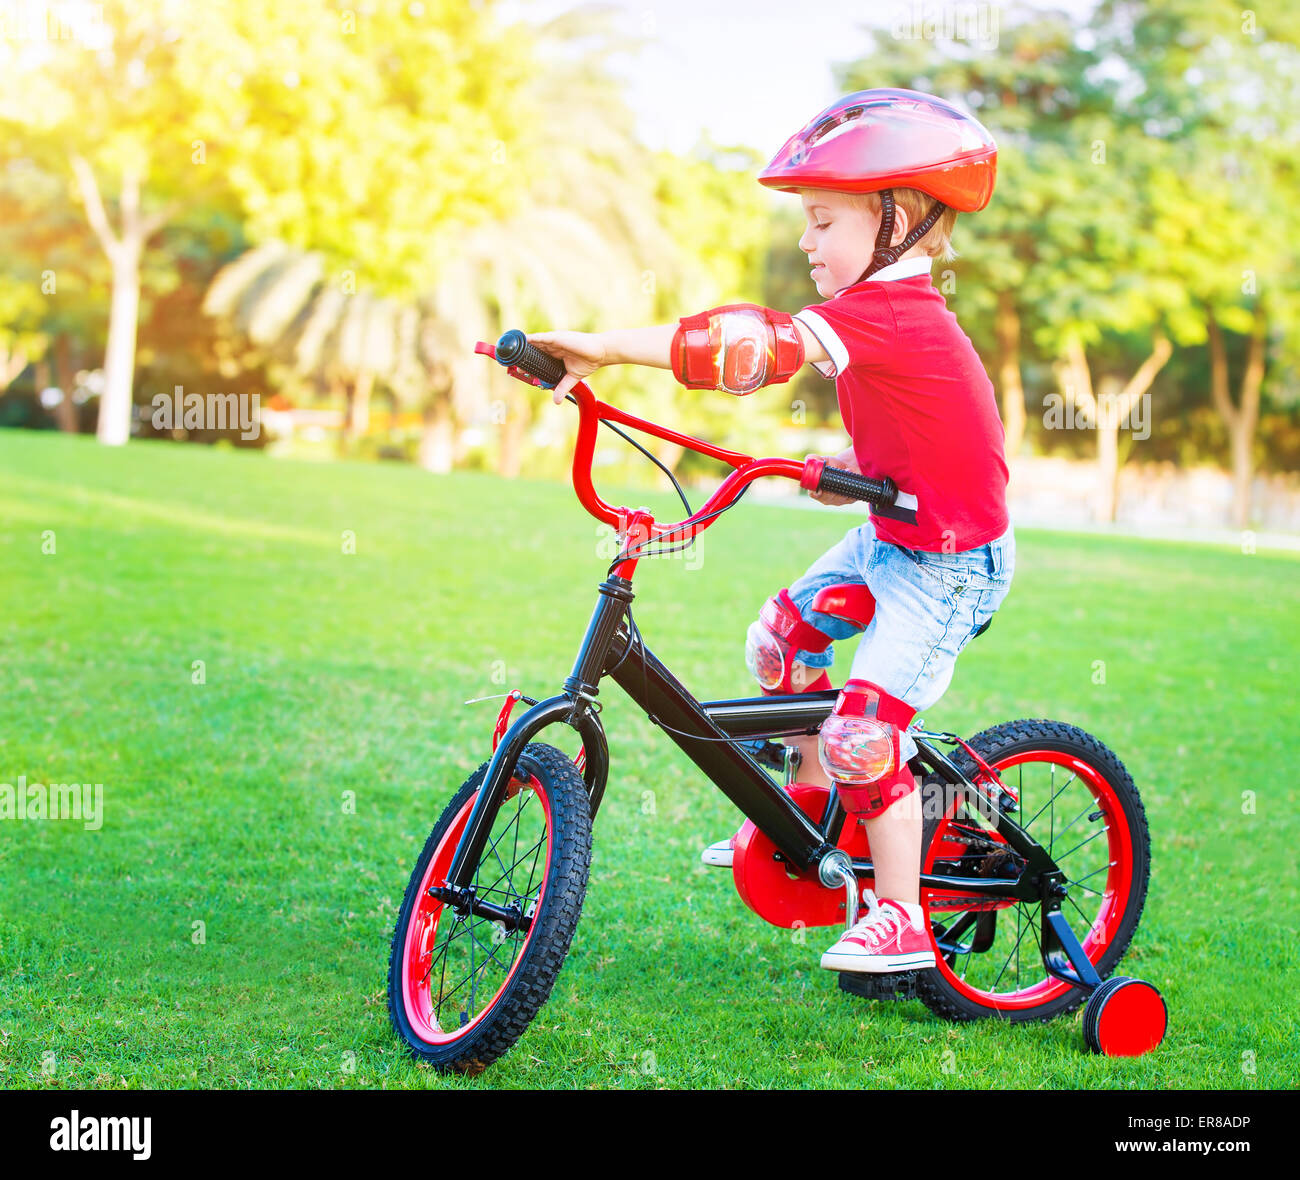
[{"x": 585, "y": 352}]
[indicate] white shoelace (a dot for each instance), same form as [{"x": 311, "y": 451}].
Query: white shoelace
[{"x": 880, "y": 922}]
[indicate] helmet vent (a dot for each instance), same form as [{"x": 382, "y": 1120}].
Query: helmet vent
[{"x": 829, "y": 128}]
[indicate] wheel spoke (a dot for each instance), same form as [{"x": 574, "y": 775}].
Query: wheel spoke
[
  {"x": 1078, "y": 911},
  {"x": 492, "y": 886},
  {"x": 472, "y": 979},
  {"x": 1082, "y": 843},
  {"x": 951, "y": 934},
  {"x": 1050, "y": 801},
  {"x": 1033, "y": 926},
  {"x": 1088, "y": 809},
  {"x": 514, "y": 823},
  {"x": 1005, "y": 965},
  {"x": 1102, "y": 869}
]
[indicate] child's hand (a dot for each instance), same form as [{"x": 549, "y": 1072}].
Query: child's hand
[
  {"x": 847, "y": 462},
  {"x": 581, "y": 352}
]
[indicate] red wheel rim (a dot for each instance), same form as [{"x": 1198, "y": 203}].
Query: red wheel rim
[
  {"x": 1102, "y": 912},
  {"x": 433, "y": 925}
]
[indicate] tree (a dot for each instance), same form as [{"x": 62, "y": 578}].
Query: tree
[
  {"x": 367, "y": 133},
  {"x": 289, "y": 314},
  {"x": 53, "y": 287},
  {"x": 1069, "y": 243},
  {"x": 1029, "y": 93},
  {"x": 1219, "y": 85},
  {"x": 651, "y": 236}
]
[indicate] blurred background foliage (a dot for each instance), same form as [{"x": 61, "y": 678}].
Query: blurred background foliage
[{"x": 328, "y": 204}]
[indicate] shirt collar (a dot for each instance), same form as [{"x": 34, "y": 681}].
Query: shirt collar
[{"x": 904, "y": 268}]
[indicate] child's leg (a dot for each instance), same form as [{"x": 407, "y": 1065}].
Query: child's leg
[
  {"x": 810, "y": 767},
  {"x": 845, "y": 561},
  {"x": 927, "y": 609},
  {"x": 895, "y": 839}
]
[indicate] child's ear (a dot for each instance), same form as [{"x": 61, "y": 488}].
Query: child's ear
[{"x": 902, "y": 224}]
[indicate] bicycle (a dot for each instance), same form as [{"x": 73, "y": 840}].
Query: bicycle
[{"x": 484, "y": 927}]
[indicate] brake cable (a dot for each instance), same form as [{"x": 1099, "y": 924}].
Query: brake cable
[{"x": 635, "y": 638}]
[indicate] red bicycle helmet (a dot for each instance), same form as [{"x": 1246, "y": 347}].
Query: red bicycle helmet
[{"x": 876, "y": 140}]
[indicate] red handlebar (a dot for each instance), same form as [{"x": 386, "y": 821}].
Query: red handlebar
[{"x": 591, "y": 411}]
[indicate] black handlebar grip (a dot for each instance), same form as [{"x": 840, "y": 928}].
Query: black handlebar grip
[
  {"x": 839, "y": 482},
  {"x": 513, "y": 349}
]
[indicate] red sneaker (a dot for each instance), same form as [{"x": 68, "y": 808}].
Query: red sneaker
[
  {"x": 884, "y": 940},
  {"x": 720, "y": 854}
]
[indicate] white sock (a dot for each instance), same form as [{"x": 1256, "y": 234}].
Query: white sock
[{"x": 913, "y": 912}]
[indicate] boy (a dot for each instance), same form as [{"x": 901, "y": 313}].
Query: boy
[{"x": 919, "y": 408}]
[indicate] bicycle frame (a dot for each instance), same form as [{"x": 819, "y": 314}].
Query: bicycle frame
[
  {"x": 709, "y": 731},
  {"x": 704, "y": 732}
]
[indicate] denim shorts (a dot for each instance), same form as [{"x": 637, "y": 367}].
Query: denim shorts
[{"x": 928, "y": 607}]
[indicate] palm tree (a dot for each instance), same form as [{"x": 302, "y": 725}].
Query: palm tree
[{"x": 585, "y": 242}]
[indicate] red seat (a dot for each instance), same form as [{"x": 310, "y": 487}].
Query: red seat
[{"x": 850, "y": 601}]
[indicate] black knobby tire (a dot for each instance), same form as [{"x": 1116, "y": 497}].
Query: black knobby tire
[
  {"x": 517, "y": 978},
  {"x": 968, "y": 983}
]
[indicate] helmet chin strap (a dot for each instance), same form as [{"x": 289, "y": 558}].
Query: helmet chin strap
[{"x": 885, "y": 254}]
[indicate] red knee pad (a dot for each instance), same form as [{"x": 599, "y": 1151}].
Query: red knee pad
[
  {"x": 873, "y": 799},
  {"x": 822, "y": 682},
  {"x": 773, "y": 640},
  {"x": 859, "y": 748},
  {"x": 780, "y": 616}
]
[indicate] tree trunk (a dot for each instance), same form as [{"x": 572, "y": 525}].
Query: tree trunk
[
  {"x": 12, "y": 365},
  {"x": 65, "y": 377},
  {"x": 119, "y": 362},
  {"x": 1107, "y": 427},
  {"x": 357, "y": 422},
  {"x": 1007, "y": 329},
  {"x": 670, "y": 455},
  {"x": 436, "y": 443},
  {"x": 1109, "y": 411},
  {"x": 123, "y": 250},
  {"x": 510, "y": 453},
  {"x": 1241, "y": 420}
]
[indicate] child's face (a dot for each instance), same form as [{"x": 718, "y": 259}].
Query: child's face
[{"x": 839, "y": 239}]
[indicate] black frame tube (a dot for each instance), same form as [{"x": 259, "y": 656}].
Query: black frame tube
[{"x": 651, "y": 685}]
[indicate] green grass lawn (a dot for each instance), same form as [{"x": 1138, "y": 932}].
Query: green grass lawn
[{"x": 331, "y": 676}]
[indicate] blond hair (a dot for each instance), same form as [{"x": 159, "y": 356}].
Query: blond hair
[{"x": 937, "y": 242}]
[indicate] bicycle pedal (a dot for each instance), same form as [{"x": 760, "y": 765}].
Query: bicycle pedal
[{"x": 897, "y": 985}]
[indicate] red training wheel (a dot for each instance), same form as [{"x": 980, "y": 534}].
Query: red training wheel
[{"x": 1124, "y": 1018}]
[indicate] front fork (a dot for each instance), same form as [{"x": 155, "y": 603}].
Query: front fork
[
  {"x": 575, "y": 706},
  {"x": 501, "y": 769}
]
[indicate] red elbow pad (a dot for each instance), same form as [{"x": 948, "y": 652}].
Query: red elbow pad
[{"x": 737, "y": 348}]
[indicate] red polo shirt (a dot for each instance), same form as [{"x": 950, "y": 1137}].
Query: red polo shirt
[{"x": 918, "y": 406}]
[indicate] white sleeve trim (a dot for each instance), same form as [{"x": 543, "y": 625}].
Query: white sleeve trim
[{"x": 827, "y": 338}]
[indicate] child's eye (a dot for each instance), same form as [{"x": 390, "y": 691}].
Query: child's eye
[{"x": 823, "y": 225}]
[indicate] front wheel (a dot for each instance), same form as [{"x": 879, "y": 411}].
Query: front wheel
[
  {"x": 463, "y": 987},
  {"x": 1077, "y": 801}
]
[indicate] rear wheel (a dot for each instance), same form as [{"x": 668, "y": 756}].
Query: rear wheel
[
  {"x": 463, "y": 987},
  {"x": 1077, "y": 800}
]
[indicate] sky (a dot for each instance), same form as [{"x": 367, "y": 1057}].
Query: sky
[{"x": 754, "y": 71}]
